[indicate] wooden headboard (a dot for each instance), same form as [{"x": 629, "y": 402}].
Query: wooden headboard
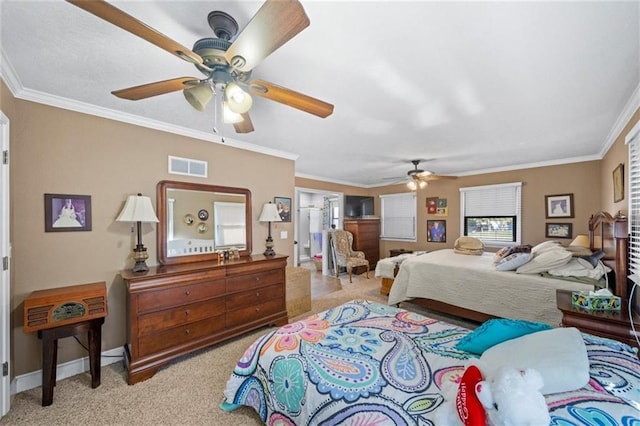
[{"x": 611, "y": 235}]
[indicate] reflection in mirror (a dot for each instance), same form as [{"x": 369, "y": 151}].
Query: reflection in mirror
[{"x": 198, "y": 220}]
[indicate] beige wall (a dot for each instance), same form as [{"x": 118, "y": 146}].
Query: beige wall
[{"x": 59, "y": 151}]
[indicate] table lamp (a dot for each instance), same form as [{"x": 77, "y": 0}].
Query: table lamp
[
  {"x": 138, "y": 208},
  {"x": 269, "y": 214}
]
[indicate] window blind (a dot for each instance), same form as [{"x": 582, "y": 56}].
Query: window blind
[
  {"x": 633, "y": 141},
  {"x": 398, "y": 217},
  {"x": 492, "y": 201}
]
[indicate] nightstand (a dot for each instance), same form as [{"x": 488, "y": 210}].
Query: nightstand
[{"x": 611, "y": 324}]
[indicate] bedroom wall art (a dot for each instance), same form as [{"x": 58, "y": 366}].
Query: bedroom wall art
[
  {"x": 437, "y": 231},
  {"x": 559, "y": 230},
  {"x": 559, "y": 206},
  {"x": 432, "y": 205},
  {"x": 64, "y": 212},
  {"x": 284, "y": 208},
  {"x": 618, "y": 183}
]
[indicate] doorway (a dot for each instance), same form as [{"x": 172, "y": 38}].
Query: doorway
[
  {"x": 316, "y": 212},
  {"x": 5, "y": 254}
]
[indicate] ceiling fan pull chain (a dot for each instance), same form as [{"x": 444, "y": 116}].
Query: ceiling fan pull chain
[{"x": 218, "y": 119}]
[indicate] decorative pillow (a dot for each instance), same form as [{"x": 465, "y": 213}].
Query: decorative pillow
[
  {"x": 513, "y": 261},
  {"x": 544, "y": 246},
  {"x": 560, "y": 356},
  {"x": 502, "y": 253},
  {"x": 546, "y": 260},
  {"x": 495, "y": 331}
]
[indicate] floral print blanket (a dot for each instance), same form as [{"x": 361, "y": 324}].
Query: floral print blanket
[{"x": 363, "y": 363}]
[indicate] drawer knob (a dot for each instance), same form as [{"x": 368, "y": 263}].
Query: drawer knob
[
  {"x": 186, "y": 331},
  {"x": 257, "y": 278},
  {"x": 257, "y": 294},
  {"x": 257, "y": 309},
  {"x": 186, "y": 293},
  {"x": 186, "y": 312}
]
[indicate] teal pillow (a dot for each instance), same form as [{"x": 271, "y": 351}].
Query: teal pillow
[{"x": 496, "y": 331}]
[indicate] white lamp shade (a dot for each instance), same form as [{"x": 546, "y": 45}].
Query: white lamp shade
[
  {"x": 581, "y": 241},
  {"x": 138, "y": 208},
  {"x": 198, "y": 96},
  {"x": 269, "y": 213},
  {"x": 238, "y": 100},
  {"x": 230, "y": 116}
]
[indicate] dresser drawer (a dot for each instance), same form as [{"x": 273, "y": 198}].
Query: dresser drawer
[
  {"x": 179, "y": 295},
  {"x": 254, "y": 296},
  {"x": 258, "y": 279},
  {"x": 156, "y": 342},
  {"x": 255, "y": 312},
  {"x": 169, "y": 318}
]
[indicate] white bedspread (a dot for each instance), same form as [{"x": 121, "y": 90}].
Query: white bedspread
[{"x": 472, "y": 282}]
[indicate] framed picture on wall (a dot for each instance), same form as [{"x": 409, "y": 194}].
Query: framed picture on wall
[
  {"x": 64, "y": 212},
  {"x": 559, "y": 230},
  {"x": 618, "y": 183},
  {"x": 437, "y": 231},
  {"x": 284, "y": 208},
  {"x": 557, "y": 206}
]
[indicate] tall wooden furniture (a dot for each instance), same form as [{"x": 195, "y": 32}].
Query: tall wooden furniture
[
  {"x": 366, "y": 237},
  {"x": 173, "y": 310}
]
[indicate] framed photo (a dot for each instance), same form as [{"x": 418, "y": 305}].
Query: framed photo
[
  {"x": 560, "y": 205},
  {"x": 64, "y": 212},
  {"x": 618, "y": 183},
  {"x": 432, "y": 204},
  {"x": 284, "y": 208},
  {"x": 559, "y": 230},
  {"x": 437, "y": 231}
]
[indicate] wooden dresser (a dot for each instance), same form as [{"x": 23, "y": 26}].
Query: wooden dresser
[
  {"x": 366, "y": 238},
  {"x": 176, "y": 309}
]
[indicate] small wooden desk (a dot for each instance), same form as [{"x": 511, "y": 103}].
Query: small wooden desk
[
  {"x": 50, "y": 338},
  {"x": 63, "y": 312}
]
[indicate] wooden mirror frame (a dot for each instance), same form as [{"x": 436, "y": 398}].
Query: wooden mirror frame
[{"x": 161, "y": 197}]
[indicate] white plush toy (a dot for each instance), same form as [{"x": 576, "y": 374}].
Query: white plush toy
[{"x": 511, "y": 398}]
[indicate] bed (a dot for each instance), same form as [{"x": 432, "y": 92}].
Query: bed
[
  {"x": 368, "y": 363},
  {"x": 471, "y": 287}
]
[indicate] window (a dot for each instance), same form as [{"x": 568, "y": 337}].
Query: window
[
  {"x": 398, "y": 218},
  {"x": 633, "y": 140},
  {"x": 492, "y": 213}
]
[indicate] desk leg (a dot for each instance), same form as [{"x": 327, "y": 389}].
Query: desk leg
[
  {"x": 95, "y": 343},
  {"x": 49, "y": 361}
]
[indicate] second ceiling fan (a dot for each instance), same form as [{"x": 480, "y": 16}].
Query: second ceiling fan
[
  {"x": 419, "y": 178},
  {"x": 226, "y": 60}
]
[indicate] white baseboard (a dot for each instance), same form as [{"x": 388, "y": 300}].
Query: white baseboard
[{"x": 71, "y": 368}]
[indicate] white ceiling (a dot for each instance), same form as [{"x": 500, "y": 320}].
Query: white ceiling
[{"x": 470, "y": 87}]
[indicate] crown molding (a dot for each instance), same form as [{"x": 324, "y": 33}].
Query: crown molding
[{"x": 633, "y": 103}]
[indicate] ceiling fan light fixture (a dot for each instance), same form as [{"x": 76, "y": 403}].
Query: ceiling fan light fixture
[
  {"x": 412, "y": 185},
  {"x": 238, "y": 100},
  {"x": 229, "y": 116},
  {"x": 423, "y": 184},
  {"x": 198, "y": 96}
]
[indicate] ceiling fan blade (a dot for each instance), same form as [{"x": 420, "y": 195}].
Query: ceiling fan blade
[
  {"x": 277, "y": 22},
  {"x": 291, "y": 98},
  {"x": 245, "y": 126},
  {"x": 154, "y": 89},
  {"x": 127, "y": 22},
  {"x": 437, "y": 177}
]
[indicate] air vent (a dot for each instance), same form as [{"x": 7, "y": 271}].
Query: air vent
[{"x": 187, "y": 167}]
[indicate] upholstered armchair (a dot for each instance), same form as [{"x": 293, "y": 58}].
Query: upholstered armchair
[{"x": 342, "y": 242}]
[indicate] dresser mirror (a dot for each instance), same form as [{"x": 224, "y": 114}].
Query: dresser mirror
[{"x": 197, "y": 220}]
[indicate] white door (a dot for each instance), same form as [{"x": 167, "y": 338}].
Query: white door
[{"x": 5, "y": 254}]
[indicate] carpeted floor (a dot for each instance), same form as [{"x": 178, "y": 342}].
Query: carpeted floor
[{"x": 186, "y": 392}]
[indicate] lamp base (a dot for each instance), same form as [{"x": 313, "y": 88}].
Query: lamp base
[
  {"x": 269, "y": 244},
  {"x": 140, "y": 256}
]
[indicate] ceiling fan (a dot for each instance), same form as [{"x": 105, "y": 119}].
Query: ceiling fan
[
  {"x": 419, "y": 178},
  {"x": 226, "y": 60}
]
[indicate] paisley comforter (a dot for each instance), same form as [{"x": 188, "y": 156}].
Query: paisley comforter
[{"x": 370, "y": 364}]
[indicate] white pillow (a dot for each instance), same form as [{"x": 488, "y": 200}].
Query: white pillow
[
  {"x": 542, "y": 262},
  {"x": 560, "y": 356},
  {"x": 543, "y": 246},
  {"x": 513, "y": 261}
]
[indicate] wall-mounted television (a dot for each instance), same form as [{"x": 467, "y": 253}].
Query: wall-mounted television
[{"x": 358, "y": 206}]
